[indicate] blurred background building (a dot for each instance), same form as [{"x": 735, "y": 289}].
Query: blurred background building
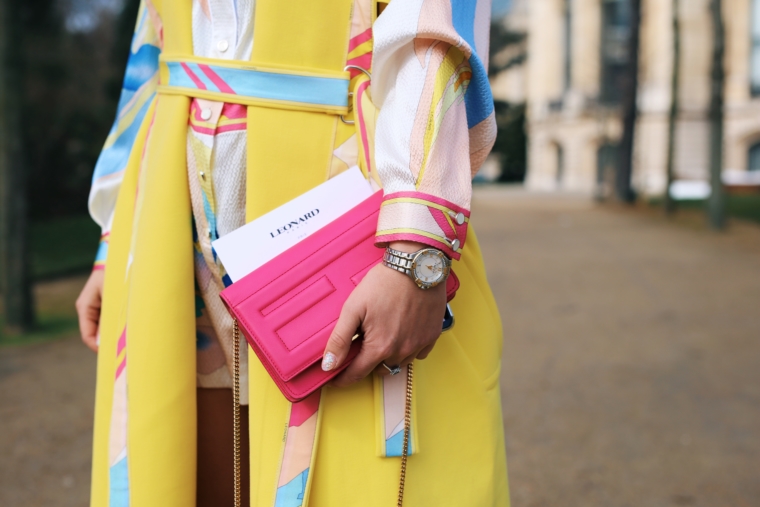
[{"x": 572, "y": 83}]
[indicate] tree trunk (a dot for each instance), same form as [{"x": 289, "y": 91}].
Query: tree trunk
[
  {"x": 18, "y": 308},
  {"x": 716, "y": 204},
  {"x": 630, "y": 108},
  {"x": 670, "y": 204}
]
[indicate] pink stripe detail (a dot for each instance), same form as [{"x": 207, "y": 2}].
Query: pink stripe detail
[
  {"x": 202, "y": 130},
  {"x": 362, "y": 126},
  {"x": 360, "y": 39},
  {"x": 192, "y": 76},
  {"x": 234, "y": 111},
  {"x": 384, "y": 239},
  {"x": 440, "y": 219},
  {"x": 99, "y": 266},
  {"x": 304, "y": 409},
  {"x": 427, "y": 197},
  {"x": 218, "y": 81},
  {"x": 231, "y": 128},
  {"x": 122, "y": 342},
  {"x": 121, "y": 367},
  {"x": 364, "y": 61}
]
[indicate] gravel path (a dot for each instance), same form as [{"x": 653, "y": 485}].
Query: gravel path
[
  {"x": 631, "y": 369},
  {"x": 631, "y": 364}
]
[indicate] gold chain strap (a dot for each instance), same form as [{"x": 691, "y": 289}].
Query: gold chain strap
[
  {"x": 236, "y": 411},
  {"x": 236, "y": 421},
  {"x": 407, "y": 426}
]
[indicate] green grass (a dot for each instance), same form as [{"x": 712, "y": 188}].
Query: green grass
[
  {"x": 62, "y": 246},
  {"x": 57, "y": 248},
  {"x": 47, "y": 328},
  {"x": 744, "y": 206}
]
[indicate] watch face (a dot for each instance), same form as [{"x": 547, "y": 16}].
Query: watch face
[{"x": 429, "y": 267}]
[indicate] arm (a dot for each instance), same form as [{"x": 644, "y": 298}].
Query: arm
[
  {"x": 435, "y": 128},
  {"x": 139, "y": 89}
]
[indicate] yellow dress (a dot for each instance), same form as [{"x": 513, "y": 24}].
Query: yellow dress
[{"x": 144, "y": 449}]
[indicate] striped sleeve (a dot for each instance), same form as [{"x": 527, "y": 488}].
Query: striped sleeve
[
  {"x": 436, "y": 123},
  {"x": 138, "y": 91}
]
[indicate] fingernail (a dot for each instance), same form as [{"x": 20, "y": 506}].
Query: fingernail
[{"x": 328, "y": 362}]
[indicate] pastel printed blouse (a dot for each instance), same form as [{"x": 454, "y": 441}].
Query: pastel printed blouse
[{"x": 436, "y": 126}]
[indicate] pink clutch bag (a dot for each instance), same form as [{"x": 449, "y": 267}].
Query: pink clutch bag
[{"x": 287, "y": 308}]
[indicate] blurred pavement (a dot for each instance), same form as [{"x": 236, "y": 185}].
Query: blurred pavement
[{"x": 631, "y": 371}]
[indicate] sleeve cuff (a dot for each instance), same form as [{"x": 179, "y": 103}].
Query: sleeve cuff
[
  {"x": 423, "y": 218},
  {"x": 100, "y": 257}
]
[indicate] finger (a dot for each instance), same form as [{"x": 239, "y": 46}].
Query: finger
[
  {"x": 425, "y": 352},
  {"x": 362, "y": 365},
  {"x": 340, "y": 340},
  {"x": 88, "y": 326}
]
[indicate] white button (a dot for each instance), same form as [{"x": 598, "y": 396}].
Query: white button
[
  {"x": 460, "y": 218},
  {"x": 222, "y": 46},
  {"x": 455, "y": 245},
  {"x": 205, "y": 114}
]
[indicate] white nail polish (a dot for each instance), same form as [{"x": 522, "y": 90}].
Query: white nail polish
[{"x": 328, "y": 362}]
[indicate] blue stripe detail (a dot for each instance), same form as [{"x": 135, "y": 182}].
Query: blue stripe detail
[
  {"x": 394, "y": 446},
  {"x": 202, "y": 76},
  {"x": 478, "y": 98},
  {"x": 292, "y": 493},
  {"x": 210, "y": 217},
  {"x": 323, "y": 91},
  {"x": 119, "y": 484},
  {"x": 463, "y": 17},
  {"x": 141, "y": 68},
  {"x": 102, "y": 254}
]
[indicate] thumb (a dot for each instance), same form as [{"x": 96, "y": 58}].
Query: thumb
[{"x": 340, "y": 340}]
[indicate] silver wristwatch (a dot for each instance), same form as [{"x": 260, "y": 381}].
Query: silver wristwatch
[{"x": 427, "y": 267}]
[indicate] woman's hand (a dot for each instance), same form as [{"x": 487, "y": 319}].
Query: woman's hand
[
  {"x": 399, "y": 321},
  {"x": 88, "y": 309}
]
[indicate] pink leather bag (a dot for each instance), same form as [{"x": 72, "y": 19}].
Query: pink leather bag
[{"x": 288, "y": 307}]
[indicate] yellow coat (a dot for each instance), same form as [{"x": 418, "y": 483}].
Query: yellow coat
[{"x": 148, "y": 323}]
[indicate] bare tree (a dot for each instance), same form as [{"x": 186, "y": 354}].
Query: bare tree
[
  {"x": 19, "y": 314},
  {"x": 630, "y": 108},
  {"x": 670, "y": 204},
  {"x": 716, "y": 204}
]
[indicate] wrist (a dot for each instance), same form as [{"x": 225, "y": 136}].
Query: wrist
[
  {"x": 426, "y": 266},
  {"x": 407, "y": 246}
]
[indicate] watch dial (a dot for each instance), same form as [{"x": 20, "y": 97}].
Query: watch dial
[{"x": 429, "y": 267}]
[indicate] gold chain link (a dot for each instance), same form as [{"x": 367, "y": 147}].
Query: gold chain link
[
  {"x": 236, "y": 421},
  {"x": 236, "y": 410},
  {"x": 407, "y": 425}
]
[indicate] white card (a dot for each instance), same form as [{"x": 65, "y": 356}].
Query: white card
[{"x": 253, "y": 245}]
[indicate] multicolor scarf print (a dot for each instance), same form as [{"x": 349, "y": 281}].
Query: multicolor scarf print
[
  {"x": 435, "y": 103},
  {"x": 216, "y": 165},
  {"x": 216, "y": 168},
  {"x": 119, "y": 471},
  {"x": 390, "y": 403},
  {"x": 100, "y": 257},
  {"x": 138, "y": 90},
  {"x": 298, "y": 453}
]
